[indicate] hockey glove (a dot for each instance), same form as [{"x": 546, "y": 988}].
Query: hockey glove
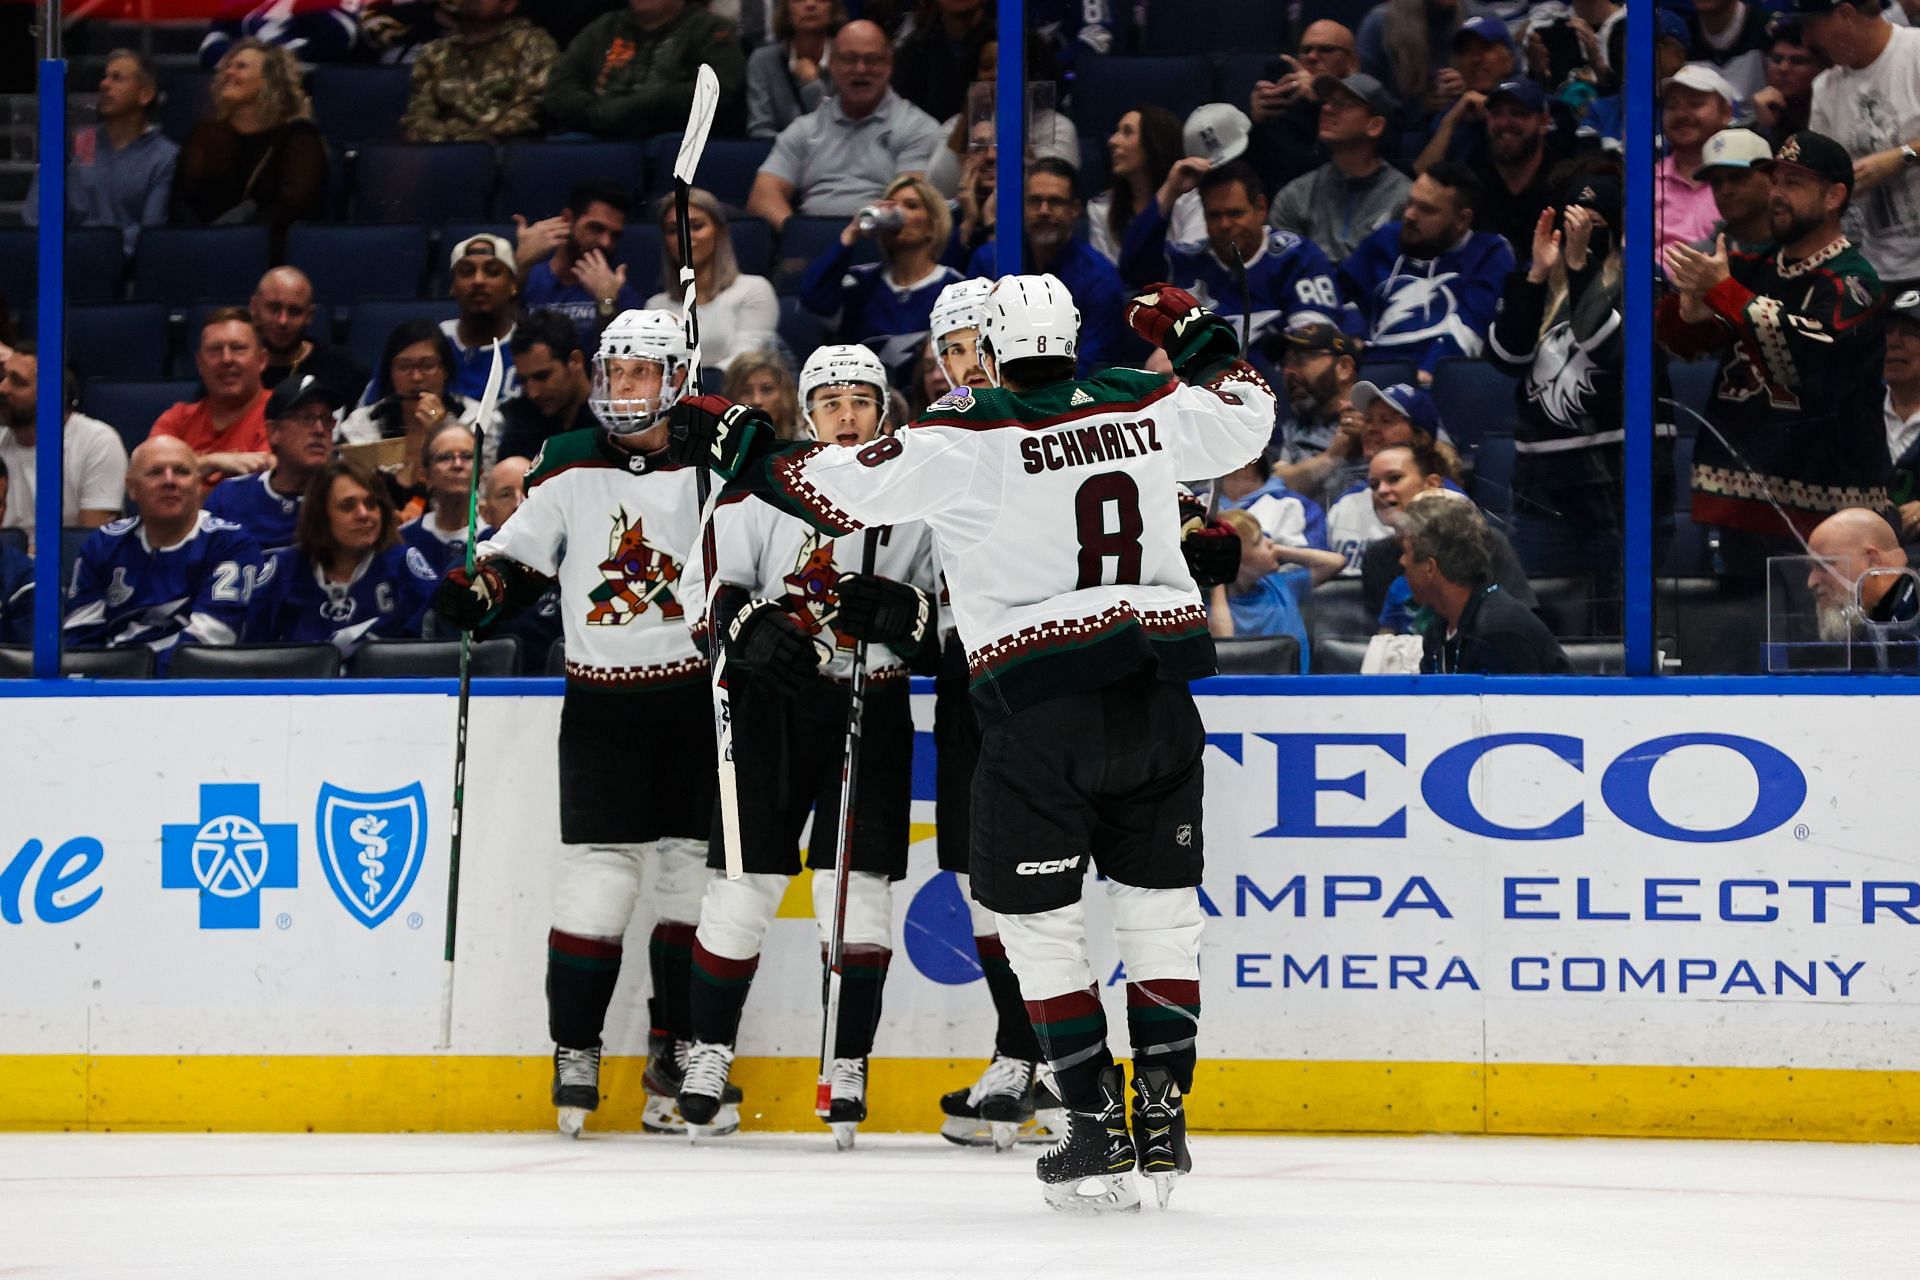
[
  {"x": 882, "y": 611},
  {"x": 770, "y": 646},
  {"x": 1194, "y": 338},
  {"x": 714, "y": 432},
  {"x": 469, "y": 601},
  {"x": 1212, "y": 552}
]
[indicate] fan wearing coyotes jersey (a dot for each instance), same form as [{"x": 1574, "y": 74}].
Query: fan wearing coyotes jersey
[
  {"x": 1053, "y": 508},
  {"x": 614, "y": 519},
  {"x": 791, "y": 603}
]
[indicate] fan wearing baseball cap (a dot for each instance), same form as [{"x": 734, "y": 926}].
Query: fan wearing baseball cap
[
  {"x": 1733, "y": 164},
  {"x": 486, "y": 286},
  {"x": 1484, "y": 58},
  {"x": 1869, "y": 102},
  {"x": 1796, "y": 428},
  {"x": 1696, "y": 102}
]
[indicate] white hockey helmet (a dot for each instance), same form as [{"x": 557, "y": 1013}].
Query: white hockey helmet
[
  {"x": 656, "y": 336},
  {"x": 1025, "y": 317},
  {"x": 846, "y": 364},
  {"x": 958, "y": 307}
]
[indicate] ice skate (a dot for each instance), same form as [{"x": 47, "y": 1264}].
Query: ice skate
[
  {"x": 704, "y": 1108},
  {"x": 1160, "y": 1129},
  {"x": 848, "y": 1100},
  {"x": 1090, "y": 1169},
  {"x": 997, "y": 1110},
  {"x": 576, "y": 1086},
  {"x": 665, "y": 1076}
]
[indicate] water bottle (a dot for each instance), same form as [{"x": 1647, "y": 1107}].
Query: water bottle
[{"x": 874, "y": 219}]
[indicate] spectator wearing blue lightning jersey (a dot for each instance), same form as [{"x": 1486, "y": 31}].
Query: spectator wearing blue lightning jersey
[
  {"x": 440, "y": 532},
  {"x": 1286, "y": 279},
  {"x": 170, "y": 575},
  {"x": 16, "y": 583},
  {"x": 347, "y": 578},
  {"x": 300, "y": 436}
]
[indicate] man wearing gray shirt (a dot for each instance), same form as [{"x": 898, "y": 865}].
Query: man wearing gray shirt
[
  {"x": 121, "y": 174},
  {"x": 833, "y": 160},
  {"x": 1343, "y": 201}
]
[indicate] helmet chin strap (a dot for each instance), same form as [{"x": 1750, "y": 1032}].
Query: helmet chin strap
[{"x": 993, "y": 373}]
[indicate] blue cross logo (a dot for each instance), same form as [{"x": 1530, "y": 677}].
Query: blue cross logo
[{"x": 229, "y": 855}]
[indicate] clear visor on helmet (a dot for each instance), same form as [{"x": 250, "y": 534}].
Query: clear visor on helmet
[
  {"x": 848, "y": 413},
  {"x": 631, "y": 392},
  {"x": 959, "y": 355}
]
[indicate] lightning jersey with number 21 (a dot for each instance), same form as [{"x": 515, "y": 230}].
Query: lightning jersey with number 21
[
  {"x": 127, "y": 593},
  {"x": 1055, "y": 514}
]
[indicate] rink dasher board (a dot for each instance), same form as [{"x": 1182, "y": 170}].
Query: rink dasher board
[{"x": 1494, "y": 912}]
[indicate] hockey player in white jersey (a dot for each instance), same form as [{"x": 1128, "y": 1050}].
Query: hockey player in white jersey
[
  {"x": 1053, "y": 506},
  {"x": 615, "y": 520},
  {"x": 791, "y": 603}
]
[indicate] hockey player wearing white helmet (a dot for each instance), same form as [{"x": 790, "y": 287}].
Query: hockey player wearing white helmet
[
  {"x": 615, "y": 520},
  {"x": 1053, "y": 504},
  {"x": 791, "y": 608}
]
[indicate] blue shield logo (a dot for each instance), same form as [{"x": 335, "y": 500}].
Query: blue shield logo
[{"x": 371, "y": 846}]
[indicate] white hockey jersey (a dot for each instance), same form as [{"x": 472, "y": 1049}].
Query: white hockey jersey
[
  {"x": 1055, "y": 514},
  {"x": 616, "y": 529},
  {"x": 775, "y": 556}
]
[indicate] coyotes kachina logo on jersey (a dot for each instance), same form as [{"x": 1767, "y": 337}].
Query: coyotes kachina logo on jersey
[
  {"x": 638, "y": 577},
  {"x": 811, "y": 597}
]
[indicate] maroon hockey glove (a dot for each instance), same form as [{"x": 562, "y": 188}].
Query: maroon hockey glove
[
  {"x": 470, "y": 601},
  {"x": 1213, "y": 554},
  {"x": 1160, "y": 311}
]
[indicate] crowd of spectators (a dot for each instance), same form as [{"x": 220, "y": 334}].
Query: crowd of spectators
[{"x": 1415, "y": 213}]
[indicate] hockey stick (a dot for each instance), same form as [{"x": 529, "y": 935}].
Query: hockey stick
[
  {"x": 843, "y": 853},
  {"x": 489, "y": 399},
  {"x": 706, "y": 98}
]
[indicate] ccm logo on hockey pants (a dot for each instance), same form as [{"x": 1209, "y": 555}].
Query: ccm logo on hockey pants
[{"x": 1049, "y": 866}]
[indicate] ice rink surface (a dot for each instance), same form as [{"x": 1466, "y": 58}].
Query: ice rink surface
[{"x": 779, "y": 1207}]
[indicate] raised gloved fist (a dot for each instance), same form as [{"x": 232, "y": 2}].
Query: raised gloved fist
[
  {"x": 1161, "y": 312},
  {"x": 1212, "y": 552},
  {"x": 883, "y": 611},
  {"x": 716, "y": 433},
  {"x": 770, "y": 646},
  {"x": 469, "y": 600}
]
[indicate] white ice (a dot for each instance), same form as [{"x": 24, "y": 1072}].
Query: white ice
[{"x": 780, "y": 1207}]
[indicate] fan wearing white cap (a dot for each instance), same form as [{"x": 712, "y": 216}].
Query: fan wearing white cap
[
  {"x": 1696, "y": 102},
  {"x": 615, "y": 521},
  {"x": 1053, "y": 501},
  {"x": 1734, "y": 164},
  {"x": 792, "y": 603}
]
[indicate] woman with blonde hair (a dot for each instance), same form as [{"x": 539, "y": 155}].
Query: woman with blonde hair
[
  {"x": 762, "y": 378},
  {"x": 259, "y": 158},
  {"x": 737, "y": 311},
  {"x": 886, "y": 305}
]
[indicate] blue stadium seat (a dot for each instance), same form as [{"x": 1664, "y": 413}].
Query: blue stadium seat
[
  {"x": 432, "y": 183},
  {"x": 1234, "y": 74},
  {"x": 185, "y": 97},
  {"x": 1106, "y": 88},
  {"x": 131, "y": 407},
  {"x": 1093, "y": 165},
  {"x": 536, "y": 176},
  {"x": 1202, "y": 26},
  {"x": 1385, "y": 372},
  {"x": 800, "y": 329},
  {"x": 117, "y": 339},
  {"x": 1474, "y": 397},
  {"x": 1491, "y": 484},
  {"x": 352, "y": 261},
  {"x": 1348, "y": 13},
  {"x": 752, "y": 244},
  {"x": 727, "y": 166},
  {"x": 93, "y": 266},
  {"x": 640, "y": 250},
  {"x": 181, "y": 265},
  {"x": 353, "y": 105},
  {"x": 1693, "y": 383},
  {"x": 804, "y": 239},
  {"x": 372, "y": 320}
]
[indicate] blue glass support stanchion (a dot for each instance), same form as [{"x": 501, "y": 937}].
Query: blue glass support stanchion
[
  {"x": 1010, "y": 137},
  {"x": 1638, "y": 405},
  {"x": 50, "y": 410}
]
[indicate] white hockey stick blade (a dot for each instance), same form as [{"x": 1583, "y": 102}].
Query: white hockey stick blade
[{"x": 706, "y": 99}]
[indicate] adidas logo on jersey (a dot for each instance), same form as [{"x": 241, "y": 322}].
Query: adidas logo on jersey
[
  {"x": 1048, "y": 867},
  {"x": 1079, "y": 397}
]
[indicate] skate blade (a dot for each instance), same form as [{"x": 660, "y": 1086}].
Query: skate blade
[
  {"x": 571, "y": 1120},
  {"x": 1101, "y": 1193},
  {"x": 843, "y": 1133},
  {"x": 962, "y": 1132},
  {"x": 1004, "y": 1134},
  {"x": 1163, "y": 1186}
]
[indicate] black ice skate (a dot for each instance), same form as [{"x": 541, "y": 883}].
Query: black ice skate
[
  {"x": 847, "y": 1104},
  {"x": 1160, "y": 1129},
  {"x": 576, "y": 1086},
  {"x": 998, "y": 1110},
  {"x": 1090, "y": 1169},
  {"x": 704, "y": 1108},
  {"x": 665, "y": 1076}
]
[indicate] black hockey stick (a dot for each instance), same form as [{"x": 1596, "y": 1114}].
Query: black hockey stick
[
  {"x": 488, "y": 400},
  {"x": 706, "y": 98},
  {"x": 843, "y": 854}
]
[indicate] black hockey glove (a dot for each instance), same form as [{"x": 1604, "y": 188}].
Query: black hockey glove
[
  {"x": 1212, "y": 552},
  {"x": 470, "y": 601},
  {"x": 883, "y": 611},
  {"x": 770, "y": 646},
  {"x": 714, "y": 432}
]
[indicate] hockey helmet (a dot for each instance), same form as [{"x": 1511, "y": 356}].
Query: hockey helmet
[
  {"x": 1028, "y": 317},
  {"x": 848, "y": 364},
  {"x": 958, "y": 307},
  {"x": 658, "y": 337}
]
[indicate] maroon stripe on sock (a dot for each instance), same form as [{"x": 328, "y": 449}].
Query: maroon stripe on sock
[
  {"x": 720, "y": 966},
  {"x": 1181, "y": 991},
  {"x": 674, "y": 933},
  {"x": 568, "y": 944},
  {"x": 989, "y": 946},
  {"x": 1075, "y": 1004}
]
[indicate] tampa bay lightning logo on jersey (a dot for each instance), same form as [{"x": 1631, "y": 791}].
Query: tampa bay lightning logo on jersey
[
  {"x": 371, "y": 846},
  {"x": 1420, "y": 309}
]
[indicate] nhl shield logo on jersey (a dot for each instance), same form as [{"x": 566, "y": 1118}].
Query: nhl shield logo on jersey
[
  {"x": 637, "y": 576},
  {"x": 371, "y": 847},
  {"x": 811, "y": 597}
]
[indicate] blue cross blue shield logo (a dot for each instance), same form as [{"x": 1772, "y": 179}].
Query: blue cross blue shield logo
[
  {"x": 371, "y": 847},
  {"x": 229, "y": 855}
]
